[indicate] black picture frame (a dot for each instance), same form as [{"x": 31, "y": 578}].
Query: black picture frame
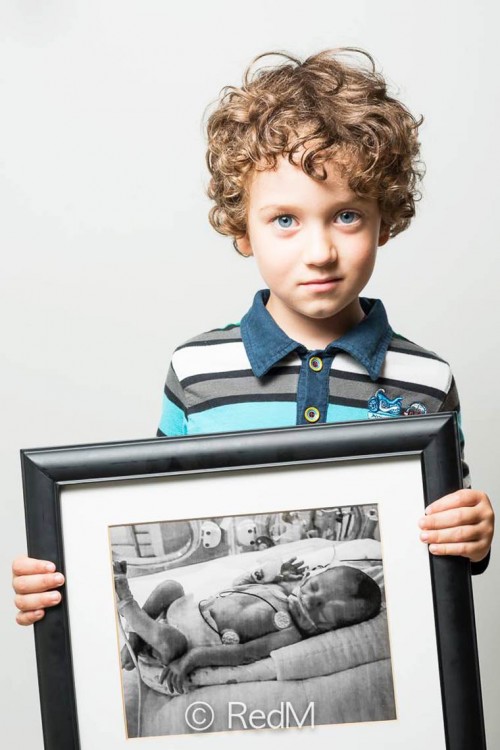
[{"x": 432, "y": 438}]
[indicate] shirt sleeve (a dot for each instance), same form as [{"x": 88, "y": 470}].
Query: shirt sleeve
[
  {"x": 173, "y": 421},
  {"x": 452, "y": 403}
]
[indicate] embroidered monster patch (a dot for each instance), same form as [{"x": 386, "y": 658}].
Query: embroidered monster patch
[{"x": 380, "y": 406}]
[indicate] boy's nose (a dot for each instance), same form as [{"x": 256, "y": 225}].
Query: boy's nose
[{"x": 320, "y": 249}]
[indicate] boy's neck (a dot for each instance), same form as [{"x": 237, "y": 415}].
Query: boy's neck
[{"x": 315, "y": 333}]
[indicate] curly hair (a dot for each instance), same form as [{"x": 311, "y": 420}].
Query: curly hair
[{"x": 326, "y": 108}]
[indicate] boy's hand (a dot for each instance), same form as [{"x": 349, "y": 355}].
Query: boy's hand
[
  {"x": 459, "y": 524},
  {"x": 32, "y": 580}
]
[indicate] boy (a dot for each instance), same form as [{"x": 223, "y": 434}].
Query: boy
[
  {"x": 259, "y": 614},
  {"x": 313, "y": 167}
]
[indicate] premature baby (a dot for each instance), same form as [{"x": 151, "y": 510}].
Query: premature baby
[{"x": 265, "y": 610}]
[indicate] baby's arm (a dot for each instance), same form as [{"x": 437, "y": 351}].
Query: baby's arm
[
  {"x": 273, "y": 571},
  {"x": 228, "y": 656},
  {"x": 459, "y": 524},
  {"x": 34, "y": 581}
]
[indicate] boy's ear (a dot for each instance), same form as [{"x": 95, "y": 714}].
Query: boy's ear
[
  {"x": 243, "y": 246},
  {"x": 384, "y": 234}
]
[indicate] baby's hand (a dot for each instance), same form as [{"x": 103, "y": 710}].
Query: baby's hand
[
  {"x": 32, "y": 580},
  {"x": 292, "y": 570},
  {"x": 176, "y": 674},
  {"x": 267, "y": 573},
  {"x": 459, "y": 524}
]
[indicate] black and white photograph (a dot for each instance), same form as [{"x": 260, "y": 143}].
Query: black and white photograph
[
  {"x": 309, "y": 612},
  {"x": 267, "y": 620}
]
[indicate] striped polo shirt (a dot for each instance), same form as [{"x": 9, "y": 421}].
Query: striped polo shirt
[{"x": 251, "y": 375}]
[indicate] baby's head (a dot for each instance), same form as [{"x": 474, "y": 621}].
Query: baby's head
[
  {"x": 322, "y": 110},
  {"x": 334, "y": 597}
]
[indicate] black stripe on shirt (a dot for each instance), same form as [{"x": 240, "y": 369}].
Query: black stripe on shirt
[
  {"x": 416, "y": 352},
  {"x": 399, "y": 384},
  {"x": 242, "y": 399},
  {"x": 342, "y": 401},
  {"x": 173, "y": 398},
  {"x": 204, "y": 376},
  {"x": 209, "y": 342}
]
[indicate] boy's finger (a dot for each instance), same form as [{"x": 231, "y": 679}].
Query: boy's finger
[
  {"x": 28, "y": 618},
  {"x": 26, "y": 566},
  {"x": 457, "y": 499},
  {"x": 31, "y": 602},
  {"x": 456, "y": 535},
  {"x": 37, "y": 584},
  {"x": 449, "y": 518},
  {"x": 473, "y": 550}
]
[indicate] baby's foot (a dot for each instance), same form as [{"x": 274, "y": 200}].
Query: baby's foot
[
  {"x": 126, "y": 659},
  {"x": 136, "y": 643},
  {"x": 121, "y": 581}
]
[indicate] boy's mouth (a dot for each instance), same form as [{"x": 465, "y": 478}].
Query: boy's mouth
[{"x": 321, "y": 284}]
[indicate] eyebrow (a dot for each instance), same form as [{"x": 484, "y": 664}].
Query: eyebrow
[
  {"x": 283, "y": 208},
  {"x": 279, "y": 209}
]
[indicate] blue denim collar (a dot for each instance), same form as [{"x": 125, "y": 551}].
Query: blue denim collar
[{"x": 266, "y": 343}]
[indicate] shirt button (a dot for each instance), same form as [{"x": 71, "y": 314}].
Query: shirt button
[
  {"x": 316, "y": 364},
  {"x": 311, "y": 414}
]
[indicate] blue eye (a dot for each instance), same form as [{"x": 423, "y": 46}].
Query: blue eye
[
  {"x": 287, "y": 221},
  {"x": 348, "y": 217}
]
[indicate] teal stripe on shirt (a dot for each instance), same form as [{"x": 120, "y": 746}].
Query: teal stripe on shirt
[
  {"x": 339, "y": 413},
  {"x": 245, "y": 416},
  {"x": 173, "y": 421}
]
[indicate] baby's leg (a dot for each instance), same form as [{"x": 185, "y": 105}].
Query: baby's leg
[
  {"x": 167, "y": 641},
  {"x": 162, "y": 597},
  {"x": 155, "y": 605}
]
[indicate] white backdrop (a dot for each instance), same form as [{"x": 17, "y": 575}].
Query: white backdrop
[{"x": 108, "y": 260}]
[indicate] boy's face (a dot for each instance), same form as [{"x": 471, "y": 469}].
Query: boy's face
[
  {"x": 326, "y": 601},
  {"x": 315, "y": 244}
]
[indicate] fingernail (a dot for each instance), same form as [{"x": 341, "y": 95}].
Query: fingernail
[
  {"x": 54, "y": 596},
  {"x": 50, "y": 567},
  {"x": 421, "y": 523},
  {"x": 38, "y": 614},
  {"x": 433, "y": 548},
  {"x": 424, "y": 537},
  {"x": 58, "y": 578}
]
